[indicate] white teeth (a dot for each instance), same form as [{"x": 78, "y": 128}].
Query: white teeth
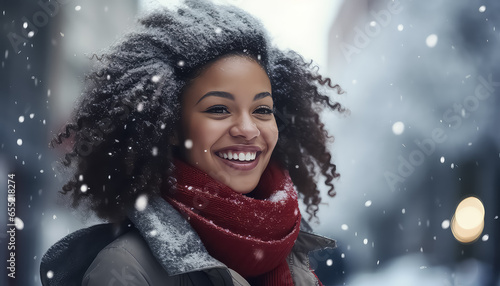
[{"x": 241, "y": 156}]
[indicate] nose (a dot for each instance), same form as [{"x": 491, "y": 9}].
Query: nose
[{"x": 244, "y": 127}]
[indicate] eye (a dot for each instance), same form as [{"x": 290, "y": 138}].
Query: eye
[
  {"x": 264, "y": 110},
  {"x": 217, "y": 109}
]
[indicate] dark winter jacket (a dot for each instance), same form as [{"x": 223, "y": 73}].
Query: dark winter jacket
[{"x": 157, "y": 247}]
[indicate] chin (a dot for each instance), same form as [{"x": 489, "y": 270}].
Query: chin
[
  {"x": 242, "y": 191},
  {"x": 243, "y": 188}
]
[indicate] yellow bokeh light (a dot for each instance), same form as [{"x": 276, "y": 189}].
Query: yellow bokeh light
[{"x": 467, "y": 223}]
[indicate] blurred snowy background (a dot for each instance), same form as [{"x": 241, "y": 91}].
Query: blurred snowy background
[{"x": 422, "y": 81}]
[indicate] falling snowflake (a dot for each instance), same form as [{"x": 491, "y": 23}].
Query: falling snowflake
[
  {"x": 140, "y": 107},
  {"x": 141, "y": 202},
  {"x": 259, "y": 254},
  {"x": 431, "y": 40},
  {"x": 329, "y": 262},
  {"x": 50, "y": 274},
  {"x": 445, "y": 224},
  {"x": 84, "y": 188},
  {"x": 155, "y": 78},
  {"x": 398, "y": 128},
  {"x": 18, "y": 223}
]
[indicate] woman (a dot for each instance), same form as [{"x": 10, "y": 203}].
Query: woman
[{"x": 192, "y": 139}]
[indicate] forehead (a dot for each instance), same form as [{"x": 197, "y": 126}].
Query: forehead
[{"x": 231, "y": 72}]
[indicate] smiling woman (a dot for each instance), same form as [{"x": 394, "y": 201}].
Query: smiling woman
[{"x": 176, "y": 143}]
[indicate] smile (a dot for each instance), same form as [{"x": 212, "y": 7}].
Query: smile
[{"x": 238, "y": 156}]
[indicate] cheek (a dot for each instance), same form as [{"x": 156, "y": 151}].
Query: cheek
[
  {"x": 270, "y": 134},
  {"x": 204, "y": 133}
]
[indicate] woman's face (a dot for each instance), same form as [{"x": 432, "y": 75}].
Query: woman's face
[{"x": 227, "y": 114}]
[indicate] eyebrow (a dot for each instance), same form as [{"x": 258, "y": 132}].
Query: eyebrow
[{"x": 228, "y": 95}]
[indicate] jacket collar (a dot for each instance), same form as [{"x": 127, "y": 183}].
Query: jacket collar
[
  {"x": 172, "y": 240},
  {"x": 310, "y": 241}
]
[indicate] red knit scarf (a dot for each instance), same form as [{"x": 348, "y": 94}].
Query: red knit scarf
[{"x": 251, "y": 235}]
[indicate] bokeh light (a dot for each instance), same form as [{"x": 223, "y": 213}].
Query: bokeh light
[{"x": 467, "y": 223}]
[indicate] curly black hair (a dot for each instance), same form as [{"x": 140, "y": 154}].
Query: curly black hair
[{"x": 124, "y": 128}]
